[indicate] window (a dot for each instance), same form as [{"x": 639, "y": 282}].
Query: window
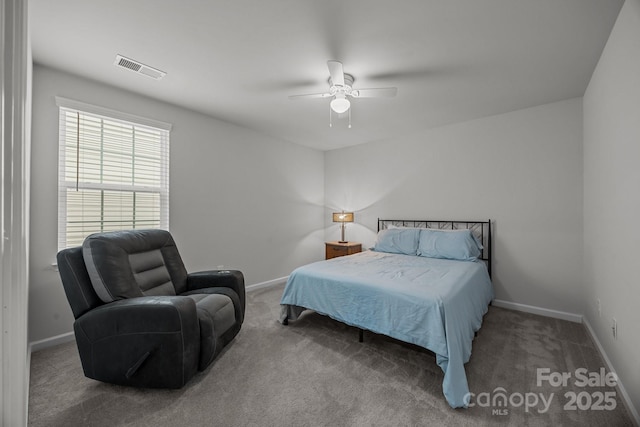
[{"x": 113, "y": 172}]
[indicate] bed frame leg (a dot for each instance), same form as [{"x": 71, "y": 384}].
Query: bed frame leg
[
  {"x": 360, "y": 335},
  {"x": 285, "y": 322}
]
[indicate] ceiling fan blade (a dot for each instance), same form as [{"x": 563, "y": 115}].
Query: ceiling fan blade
[
  {"x": 383, "y": 92},
  {"x": 337, "y": 73},
  {"x": 310, "y": 96}
]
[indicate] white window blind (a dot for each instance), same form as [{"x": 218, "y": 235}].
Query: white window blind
[{"x": 113, "y": 172}]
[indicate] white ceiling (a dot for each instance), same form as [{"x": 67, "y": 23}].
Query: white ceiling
[{"x": 451, "y": 60}]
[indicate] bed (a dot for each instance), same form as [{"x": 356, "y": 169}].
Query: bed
[{"x": 426, "y": 283}]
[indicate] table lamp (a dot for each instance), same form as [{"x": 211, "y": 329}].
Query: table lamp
[{"x": 343, "y": 217}]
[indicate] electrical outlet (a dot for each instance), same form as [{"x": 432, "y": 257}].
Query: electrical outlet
[
  {"x": 614, "y": 328},
  {"x": 599, "y": 308}
]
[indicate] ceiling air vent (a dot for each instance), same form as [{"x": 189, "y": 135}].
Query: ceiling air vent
[{"x": 138, "y": 67}]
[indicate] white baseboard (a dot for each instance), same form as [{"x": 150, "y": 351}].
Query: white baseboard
[
  {"x": 51, "y": 342},
  {"x": 571, "y": 317},
  {"x": 267, "y": 284},
  {"x": 623, "y": 391}
]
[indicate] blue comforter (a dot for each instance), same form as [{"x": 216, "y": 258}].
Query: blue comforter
[{"x": 437, "y": 304}]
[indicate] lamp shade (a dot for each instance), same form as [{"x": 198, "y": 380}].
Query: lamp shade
[{"x": 343, "y": 217}]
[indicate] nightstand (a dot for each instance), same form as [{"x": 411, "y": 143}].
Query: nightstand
[{"x": 336, "y": 249}]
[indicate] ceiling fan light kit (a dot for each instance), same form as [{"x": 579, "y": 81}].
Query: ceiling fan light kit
[
  {"x": 340, "y": 104},
  {"x": 341, "y": 87}
]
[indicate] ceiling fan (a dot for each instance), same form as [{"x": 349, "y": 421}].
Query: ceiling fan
[{"x": 341, "y": 89}]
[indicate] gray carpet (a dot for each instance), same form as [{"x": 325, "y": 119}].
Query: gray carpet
[{"x": 314, "y": 372}]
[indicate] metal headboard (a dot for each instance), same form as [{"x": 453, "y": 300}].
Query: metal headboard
[{"x": 481, "y": 229}]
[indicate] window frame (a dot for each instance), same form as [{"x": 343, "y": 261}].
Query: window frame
[{"x": 67, "y": 105}]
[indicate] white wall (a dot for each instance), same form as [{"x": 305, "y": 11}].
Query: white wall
[
  {"x": 522, "y": 169},
  {"x": 612, "y": 197},
  {"x": 237, "y": 198}
]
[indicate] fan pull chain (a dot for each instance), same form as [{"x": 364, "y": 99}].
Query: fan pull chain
[
  {"x": 349, "y": 118},
  {"x": 330, "y": 124}
]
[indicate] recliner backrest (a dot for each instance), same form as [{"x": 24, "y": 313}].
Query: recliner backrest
[
  {"x": 134, "y": 263},
  {"x": 77, "y": 284}
]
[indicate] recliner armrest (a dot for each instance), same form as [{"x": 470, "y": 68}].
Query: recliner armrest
[
  {"x": 153, "y": 314},
  {"x": 232, "y": 279},
  {"x": 148, "y": 341}
]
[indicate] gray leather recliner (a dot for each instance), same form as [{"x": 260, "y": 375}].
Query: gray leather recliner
[{"x": 141, "y": 319}]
